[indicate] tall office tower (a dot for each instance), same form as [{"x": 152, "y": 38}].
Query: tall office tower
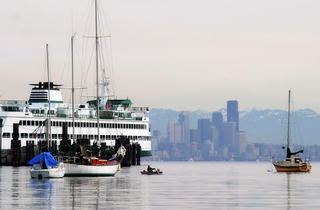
[
  {"x": 242, "y": 145},
  {"x": 204, "y": 126},
  {"x": 233, "y": 113},
  {"x": 185, "y": 127},
  {"x": 215, "y": 133},
  {"x": 217, "y": 120},
  {"x": 194, "y": 135},
  {"x": 228, "y": 134},
  {"x": 174, "y": 132},
  {"x": 156, "y": 136}
]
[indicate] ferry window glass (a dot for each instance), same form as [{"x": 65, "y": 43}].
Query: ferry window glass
[{"x": 28, "y": 122}]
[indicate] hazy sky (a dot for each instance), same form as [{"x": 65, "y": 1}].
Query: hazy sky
[{"x": 181, "y": 54}]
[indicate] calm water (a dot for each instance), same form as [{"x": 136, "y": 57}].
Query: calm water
[{"x": 184, "y": 185}]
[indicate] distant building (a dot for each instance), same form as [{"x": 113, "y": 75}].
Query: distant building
[
  {"x": 156, "y": 138},
  {"x": 242, "y": 143},
  {"x": 233, "y": 113},
  {"x": 217, "y": 120},
  {"x": 194, "y": 135},
  {"x": 174, "y": 132},
  {"x": 204, "y": 126},
  {"x": 185, "y": 130},
  {"x": 215, "y": 136},
  {"x": 156, "y": 134},
  {"x": 228, "y": 134}
]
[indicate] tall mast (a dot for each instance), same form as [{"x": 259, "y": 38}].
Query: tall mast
[
  {"x": 72, "y": 89},
  {"x": 97, "y": 69},
  {"x": 49, "y": 101},
  {"x": 288, "y": 135}
]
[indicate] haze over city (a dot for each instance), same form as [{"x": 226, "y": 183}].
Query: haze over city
[{"x": 180, "y": 54}]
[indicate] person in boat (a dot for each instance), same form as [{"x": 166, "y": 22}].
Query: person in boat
[{"x": 150, "y": 169}]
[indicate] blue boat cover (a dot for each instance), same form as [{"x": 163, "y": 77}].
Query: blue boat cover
[{"x": 44, "y": 157}]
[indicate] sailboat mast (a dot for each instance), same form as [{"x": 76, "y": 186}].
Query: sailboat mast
[
  {"x": 288, "y": 135},
  {"x": 49, "y": 100},
  {"x": 97, "y": 69},
  {"x": 72, "y": 90}
]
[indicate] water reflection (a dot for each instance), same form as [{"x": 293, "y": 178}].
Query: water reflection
[
  {"x": 42, "y": 190},
  {"x": 245, "y": 186},
  {"x": 288, "y": 192}
]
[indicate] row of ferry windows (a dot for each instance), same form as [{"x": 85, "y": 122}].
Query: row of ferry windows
[
  {"x": 77, "y": 136},
  {"x": 84, "y": 124}
]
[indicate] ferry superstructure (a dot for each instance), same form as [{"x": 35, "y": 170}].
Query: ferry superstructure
[{"x": 117, "y": 117}]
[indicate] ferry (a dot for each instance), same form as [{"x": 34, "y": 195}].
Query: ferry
[{"x": 117, "y": 117}]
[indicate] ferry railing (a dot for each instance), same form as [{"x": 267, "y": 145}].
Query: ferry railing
[{"x": 13, "y": 102}]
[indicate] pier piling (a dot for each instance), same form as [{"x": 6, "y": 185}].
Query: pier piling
[{"x": 16, "y": 146}]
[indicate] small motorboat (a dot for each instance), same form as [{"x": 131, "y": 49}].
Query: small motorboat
[
  {"x": 153, "y": 172},
  {"x": 45, "y": 166}
]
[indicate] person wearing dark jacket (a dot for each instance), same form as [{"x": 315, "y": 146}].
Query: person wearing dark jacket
[{"x": 150, "y": 169}]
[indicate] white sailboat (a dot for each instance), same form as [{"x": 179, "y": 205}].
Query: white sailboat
[
  {"x": 91, "y": 166},
  {"x": 44, "y": 165}
]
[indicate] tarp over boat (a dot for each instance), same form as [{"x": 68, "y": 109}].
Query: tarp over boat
[{"x": 45, "y": 157}]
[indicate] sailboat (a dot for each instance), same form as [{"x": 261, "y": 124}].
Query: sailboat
[
  {"x": 44, "y": 165},
  {"x": 86, "y": 165},
  {"x": 292, "y": 163}
]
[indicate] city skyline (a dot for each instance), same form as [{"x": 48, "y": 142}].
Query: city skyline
[{"x": 202, "y": 54}]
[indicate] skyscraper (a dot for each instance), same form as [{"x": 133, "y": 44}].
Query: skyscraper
[
  {"x": 185, "y": 130},
  {"x": 233, "y": 113},
  {"x": 228, "y": 134},
  {"x": 194, "y": 135},
  {"x": 174, "y": 132},
  {"x": 204, "y": 127},
  {"x": 217, "y": 120}
]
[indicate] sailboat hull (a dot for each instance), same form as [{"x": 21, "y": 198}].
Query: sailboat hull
[
  {"x": 90, "y": 170},
  {"x": 290, "y": 165},
  {"x": 56, "y": 172},
  {"x": 293, "y": 169}
]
